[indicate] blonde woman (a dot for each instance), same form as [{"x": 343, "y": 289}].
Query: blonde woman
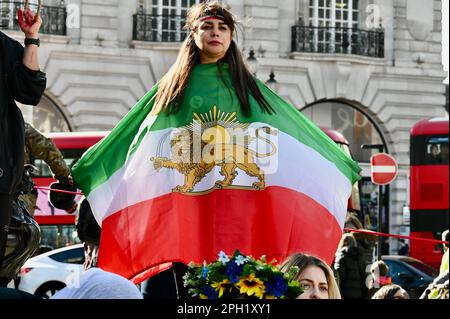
[{"x": 315, "y": 276}]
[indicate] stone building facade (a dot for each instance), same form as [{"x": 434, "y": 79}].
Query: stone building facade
[{"x": 370, "y": 68}]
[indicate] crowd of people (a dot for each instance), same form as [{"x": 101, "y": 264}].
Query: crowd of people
[{"x": 347, "y": 277}]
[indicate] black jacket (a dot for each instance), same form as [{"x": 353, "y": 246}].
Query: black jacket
[
  {"x": 26, "y": 86},
  {"x": 350, "y": 268}
]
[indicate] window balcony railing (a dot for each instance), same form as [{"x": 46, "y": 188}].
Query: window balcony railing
[
  {"x": 53, "y": 18},
  {"x": 158, "y": 28},
  {"x": 332, "y": 40}
]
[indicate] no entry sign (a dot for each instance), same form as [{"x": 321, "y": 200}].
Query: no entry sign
[{"x": 384, "y": 169}]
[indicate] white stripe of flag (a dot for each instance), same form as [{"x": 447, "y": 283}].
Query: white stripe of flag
[{"x": 383, "y": 169}]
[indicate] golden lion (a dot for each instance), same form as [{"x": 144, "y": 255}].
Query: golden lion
[{"x": 226, "y": 155}]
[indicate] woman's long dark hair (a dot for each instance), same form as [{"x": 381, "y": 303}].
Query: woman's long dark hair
[{"x": 173, "y": 85}]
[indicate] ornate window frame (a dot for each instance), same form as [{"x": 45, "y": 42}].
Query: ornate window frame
[
  {"x": 334, "y": 16},
  {"x": 165, "y": 10}
]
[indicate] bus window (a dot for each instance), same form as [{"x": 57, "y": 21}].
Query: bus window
[{"x": 437, "y": 150}]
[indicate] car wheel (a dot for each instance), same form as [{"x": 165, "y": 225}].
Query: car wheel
[{"x": 49, "y": 289}]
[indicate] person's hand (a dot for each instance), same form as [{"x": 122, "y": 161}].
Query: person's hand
[
  {"x": 30, "y": 22},
  {"x": 68, "y": 184}
]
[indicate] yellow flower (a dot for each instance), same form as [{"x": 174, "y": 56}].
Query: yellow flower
[
  {"x": 251, "y": 286},
  {"x": 221, "y": 286},
  {"x": 271, "y": 297}
]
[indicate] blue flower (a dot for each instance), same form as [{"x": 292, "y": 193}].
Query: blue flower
[
  {"x": 234, "y": 271},
  {"x": 276, "y": 286},
  {"x": 210, "y": 292},
  {"x": 204, "y": 272},
  {"x": 223, "y": 258},
  {"x": 240, "y": 260}
]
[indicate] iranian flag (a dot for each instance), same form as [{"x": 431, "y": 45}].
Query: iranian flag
[{"x": 185, "y": 186}]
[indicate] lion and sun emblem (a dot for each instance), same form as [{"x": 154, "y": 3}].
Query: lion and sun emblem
[{"x": 216, "y": 138}]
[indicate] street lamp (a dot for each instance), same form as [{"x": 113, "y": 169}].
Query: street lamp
[
  {"x": 252, "y": 62},
  {"x": 271, "y": 82},
  {"x": 380, "y": 148}
]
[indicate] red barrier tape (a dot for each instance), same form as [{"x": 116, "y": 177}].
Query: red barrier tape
[
  {"x": 58, "y": 190},
  {"x": 369, "y": 232}
]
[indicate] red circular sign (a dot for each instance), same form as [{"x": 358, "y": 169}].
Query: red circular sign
[{"x": 384, "y": 169}]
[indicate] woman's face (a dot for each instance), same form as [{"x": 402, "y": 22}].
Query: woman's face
[
  {"x": 213, "y": 38},
  {"x": 314, "y": 283}
]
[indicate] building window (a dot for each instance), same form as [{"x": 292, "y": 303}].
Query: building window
[
  {"x": 332, "y": 27},
  {"x": 162, "y": 20},
  {"x": 334, "y": 21},
  {"x": 334, "y": 13},
  {"x": 171, "y": 7},
  {"x": 172, "y": 15},
  {"x": 53, "y": 16}
]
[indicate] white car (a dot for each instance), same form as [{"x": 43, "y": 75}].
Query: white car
[{"x": 45, "y": 274}]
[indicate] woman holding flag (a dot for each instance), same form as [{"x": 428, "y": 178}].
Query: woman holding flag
[{"x": 212, "y": 160}]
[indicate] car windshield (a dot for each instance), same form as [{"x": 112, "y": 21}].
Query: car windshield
[{"x": 422, "y": 267}]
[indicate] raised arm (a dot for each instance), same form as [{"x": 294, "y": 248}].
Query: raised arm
[
  {"x": 25, "y": 82},
  {"x": 30, "y": 23}
]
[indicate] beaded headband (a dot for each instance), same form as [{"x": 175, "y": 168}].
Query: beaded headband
[
  {"x": 217, "y": 17},
  {"x": 208, "y": 14}
]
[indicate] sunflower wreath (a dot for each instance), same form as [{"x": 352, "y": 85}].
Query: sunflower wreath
[{"x": 240, "y": 276}]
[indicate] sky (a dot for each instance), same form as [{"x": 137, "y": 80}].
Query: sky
[{"x": 445, "y": 41}]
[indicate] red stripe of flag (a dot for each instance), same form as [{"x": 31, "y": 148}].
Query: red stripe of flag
[{"x": 181, "y": 228}]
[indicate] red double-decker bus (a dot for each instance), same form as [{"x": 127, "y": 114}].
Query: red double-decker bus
[
  {"x": 429, "y": 181},
  {"x": 57, "y": 226}
]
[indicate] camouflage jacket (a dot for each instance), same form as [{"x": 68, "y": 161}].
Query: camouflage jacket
[{"x": 40, "y": 147}]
